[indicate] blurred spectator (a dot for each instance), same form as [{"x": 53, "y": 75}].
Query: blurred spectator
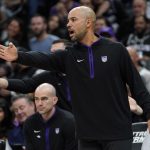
[
  {"x": 127, "y": 25},
  {"x": 42, "y": 40},
  {"x": 145, "y": 74},
  {"x": 5, "y": 70},
  {"x": 70, "y": 4},
  {"x": 57, "y": 125},
  {"x": 140, "y": 38},
  {"x": 55, "y": 27},
  {"x": 128, "y": 6},
  {"x": 139, "y": 7},
  {"x": 2, "y": 16},
  {"x": 112, "y": 10},
  {"x": 8, "y": 6},
  {"x": 108, "y": 33},
  {"x": 60, "y": 10},
  {"x": 100, "y": 22},
  {"x": 15, "y": 33},
  {"x": 5, "y": 124},
  {"x": 87, "y": 3},
  {"x": 33, "y": 6},
  {"x": 23, "y": 107},
  {"x": 101, "y": 6},
  {"x": 40, "y": 7},
  {"x": 14, "y": 8}
]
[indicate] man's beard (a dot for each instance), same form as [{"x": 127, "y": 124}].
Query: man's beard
[
  {"x": 141, "y": 33},
  {"x": 37, "y": 34}
]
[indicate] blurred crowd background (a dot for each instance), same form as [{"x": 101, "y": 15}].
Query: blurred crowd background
[{"x": 34, "y": 25}]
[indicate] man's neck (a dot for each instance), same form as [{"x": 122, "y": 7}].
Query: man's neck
[
  {"x": 89, "y": 39},
  {"x": 48, "y": 115},
  {"x": 42, "y": 36}
]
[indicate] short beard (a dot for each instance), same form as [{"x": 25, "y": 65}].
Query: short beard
[
  {"x": 141, "y": 33},
  {"x": 38, "y": 34},
  {"x": 74, "y": 39},
  {"x": 79, "y": 37}
]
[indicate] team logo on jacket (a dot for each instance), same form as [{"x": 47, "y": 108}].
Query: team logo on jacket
[
  {"x": 80, "y": 60},
  {"x": 57, "y": 130},
  {"x": 38, "y": 136},
  {"x": 37, "y": 131},
  {"x": 104, "y": 58}
]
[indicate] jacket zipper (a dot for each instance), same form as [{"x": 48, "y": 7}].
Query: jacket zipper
[
  {"x": 91, "y": 63},
  {"x": 68, "y": 93},
  {"x": 47, "y": 138}
]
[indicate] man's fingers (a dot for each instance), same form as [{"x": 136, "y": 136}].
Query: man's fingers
[
  {"x": 2, "y": 47},
  {"x": 2, "y": 51},
  {"x": 2, "y": 57}
]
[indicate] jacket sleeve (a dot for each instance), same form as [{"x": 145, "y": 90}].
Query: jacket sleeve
[
  {"x": 46, "y": 61},
  {"x": 30, "y": 84},
  {"x": 69, "y": 135},
  {"x": 131, "y": 76}
]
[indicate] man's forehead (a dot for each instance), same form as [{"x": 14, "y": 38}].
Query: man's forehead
[
  {"x": 72, "y": 14},
  {"x": 40, "y": 96},
  {"x": 76, "y": 12},
  {"x": 20, "y": 101}
]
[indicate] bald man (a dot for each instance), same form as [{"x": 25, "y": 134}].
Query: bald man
[
  {"x": 98, "y": 71},
  {"x": 50, "y": 128}
]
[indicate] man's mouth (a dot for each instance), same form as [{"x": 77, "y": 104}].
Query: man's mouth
[
  {"x": 40, "y": 109},
  {"x": 71, "y": 32}
]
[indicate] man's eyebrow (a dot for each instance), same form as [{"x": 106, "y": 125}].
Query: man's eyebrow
[{"x": 72, "y": 18}]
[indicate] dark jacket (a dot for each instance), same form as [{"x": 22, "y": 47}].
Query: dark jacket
[
  {"x": 58, "y": 133},
  {"x": 97, "y": 75},
  {"x": 15, "y": 136}
]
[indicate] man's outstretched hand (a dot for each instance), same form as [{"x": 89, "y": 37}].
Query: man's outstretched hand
[{"x": 8, "y": 53}]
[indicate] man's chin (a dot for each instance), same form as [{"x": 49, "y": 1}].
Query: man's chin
[
  {"x": 22, "y": 121},
  {"x": 41, "y": 112},
  {"x": 37, "y": 33},
  {"x": 73, "y": 38}
]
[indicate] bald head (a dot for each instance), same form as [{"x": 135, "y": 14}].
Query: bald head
[
  {"x": 81, "y": 23},
  {"x": 46, "y": 88},
  {"x": 45, "y": 100},
  {"x": 86, "y": 12}
]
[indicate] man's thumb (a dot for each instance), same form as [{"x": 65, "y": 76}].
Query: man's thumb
[{"x": 10, "y": 45}]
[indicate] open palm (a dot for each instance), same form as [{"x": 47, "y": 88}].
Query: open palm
[{"x": 8, "y": 53}]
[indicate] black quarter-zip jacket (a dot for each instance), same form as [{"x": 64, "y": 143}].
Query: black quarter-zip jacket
[
  {"x": 97, "y": 75},
  {"x": 58, "y": 133}
]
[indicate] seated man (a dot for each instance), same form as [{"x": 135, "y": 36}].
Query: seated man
[
  {"x": 51, "y": 127},
  {"x": 23, "y": 107}
]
